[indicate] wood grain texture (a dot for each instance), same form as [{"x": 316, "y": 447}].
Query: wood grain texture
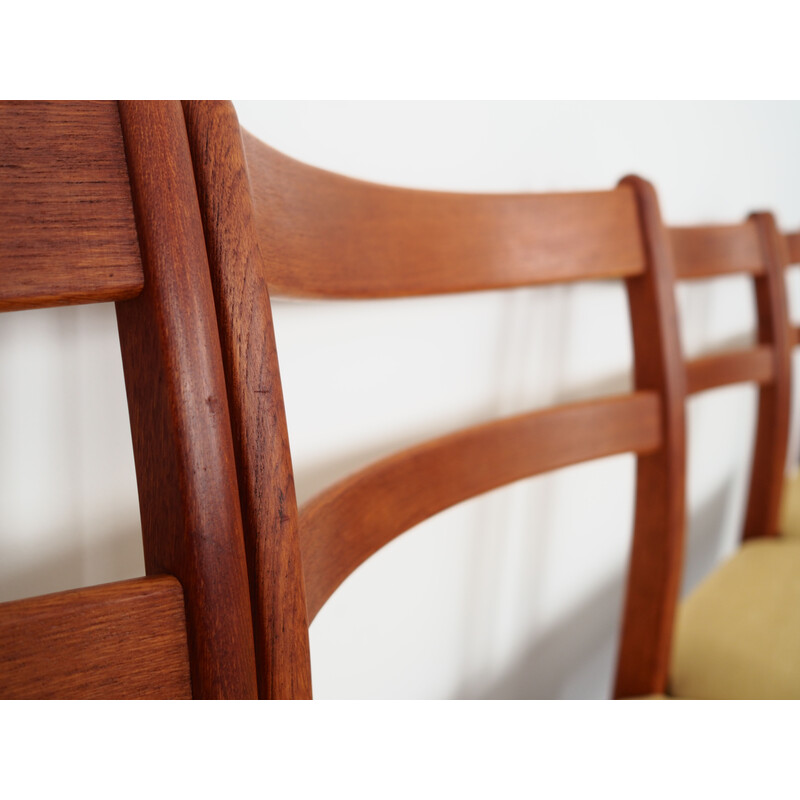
[
  {"x": 67, "y": 233},
  {"x": 185, "y": 465},
  {"x": 343, "y": 526},
  {"x": 722, "y": 369},
  {"x": 654, "y": 574},
  {"x": 772, "y": 426},
  {"x": 324, "y": 235},
  {"x": 122, "y": 640},
  {"x": 793, "y": 248},
  {"x": 714, "y": 250},
  {"x": 266, "y": 484}
]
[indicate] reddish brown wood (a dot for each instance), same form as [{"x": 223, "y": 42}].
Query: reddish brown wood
[
  {"x": 713, "y": 250},
  {"x": 723, "y": 369},
  {"x": 174, "y": 378},
  {"x": 793, "y": 248},
  {"x": 118, "y": 641},
  {"x": 794, "y": 336},
  {"x": 324, "y": 235},
  {"x": 772, "y": 428},
  {"x": 343, "y": 526},
  {"x": 657, "y": 554},
  {"x": 260, "y": 439},
  {"x": 67, "y": 233},
  {"x": 754, "y": 247}
]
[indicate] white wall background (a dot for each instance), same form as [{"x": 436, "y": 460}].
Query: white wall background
[{"x": 515, "y": 594}]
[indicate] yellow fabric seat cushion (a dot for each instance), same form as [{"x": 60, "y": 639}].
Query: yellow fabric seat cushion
[
  {"x": 737, "y": 636},
  {"x": 790, "y": 506},
  {"x": 651, "y": 697}
]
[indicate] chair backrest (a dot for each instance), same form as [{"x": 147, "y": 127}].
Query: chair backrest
[
  {"x": 752, "y": 248},
  {"x": 98, "y": 204},
  {"x": 273, "y": 224},
  {"x": 142, "y": 203}
]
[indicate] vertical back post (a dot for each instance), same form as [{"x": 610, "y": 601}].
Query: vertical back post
[
  {"x": 261, "y": 443},
  {"x": 654, "y": 574},
  {"x": 191, "y": 520},
  {"x": 772, "y": 427}
]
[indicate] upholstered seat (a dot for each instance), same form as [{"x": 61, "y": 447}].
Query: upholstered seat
[
  {"x": 737, "y": 636},
  {"x": 790, "y": 506}
]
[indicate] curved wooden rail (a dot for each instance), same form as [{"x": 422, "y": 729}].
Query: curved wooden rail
[
  {"x": 716, "y": 250},
  {"x": 710, "y": 372},
  {"x": 324, "y": 235},
  {"x": 343, "y": 526}
]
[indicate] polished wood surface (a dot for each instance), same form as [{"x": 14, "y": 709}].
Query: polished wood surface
[
  {"x": 722, "y": 369},
  {"x": 118, "y": 641},
  {"x": 656, "y": 560},
  {"x": 236, "y": 574},
  {"x": 260, "y": 438},
  {"x": 793, "y": 248},
  {"x": 772, "y": 427},
  {"x": 755, "y": 247},
  {"x": 183, "y": 448},
  {"x": 713, "y": 250},
  {"x": 324, "y": 235},
  {"x": 67, "y": 233},
  {"x": 343, "y": 526},
  {"x": 328, "y": 236}
]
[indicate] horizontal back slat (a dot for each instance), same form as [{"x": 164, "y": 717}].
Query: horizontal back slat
[
  {"x": 324, "y": 235},
  {"x": 67, "y": 231},
  {"x": 346, "y": 524},
  {"x": 793, "y": 246},
  {"x": 709, "y": 251},
  {"x": 722, "y": 369},
  {"x": 122, "y": 640}
]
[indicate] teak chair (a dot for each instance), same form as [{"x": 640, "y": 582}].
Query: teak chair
[
  {"x": 790, "y": 501},
  {"x": 275, "y": 225},
  {"x": 98, "y": 204},
  {"x": 736, "y": 633},
  {"x": 187, "y": 224}
]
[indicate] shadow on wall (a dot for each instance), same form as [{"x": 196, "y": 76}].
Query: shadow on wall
[
  {"x": 67, "y": 565},
  {"x": 549, "y": 666},
  {"x": 705, "y": 533},
  {"x": 68, "y": 500},
  {"x": 314, "y": 479},
  {"x": 85, "y": 547},
  {"x": 573, "y": 655},
  {"x": 586, "y": 639}
]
